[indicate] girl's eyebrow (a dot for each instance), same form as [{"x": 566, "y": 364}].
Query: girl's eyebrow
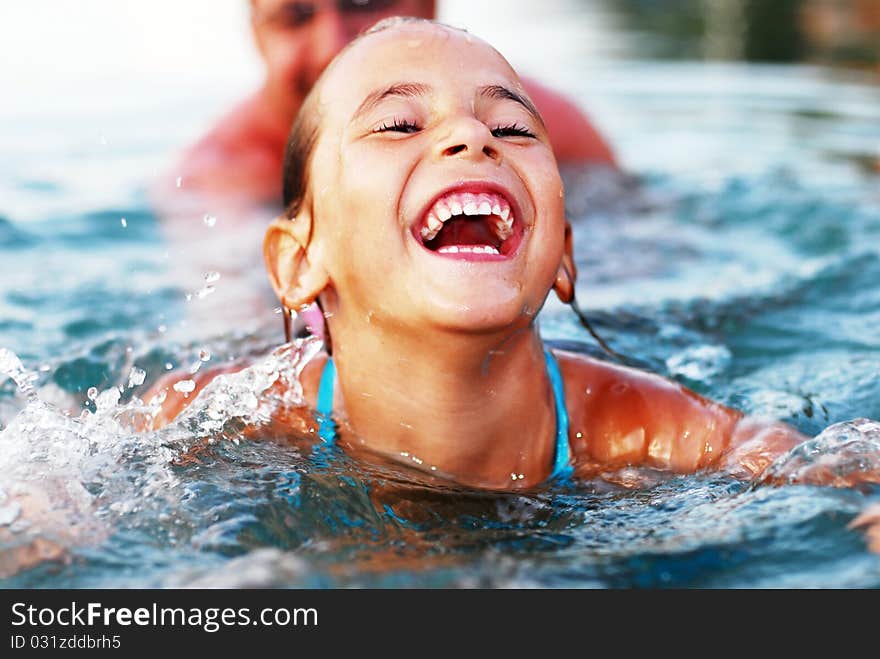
[
  {"x": 402, "y": 89},
  {"x": 413, "y": 89},
  {"x": 503, "y": 93}
]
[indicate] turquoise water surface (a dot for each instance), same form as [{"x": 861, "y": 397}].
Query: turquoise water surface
[{"x": 739, "y": 257}]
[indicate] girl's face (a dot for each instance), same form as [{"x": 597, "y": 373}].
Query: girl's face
[{"x": 434, "y": 192}]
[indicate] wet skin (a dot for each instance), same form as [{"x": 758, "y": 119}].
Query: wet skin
[
  {"x": 395, "y": 135},
  {"x": 436, "y": 352}
]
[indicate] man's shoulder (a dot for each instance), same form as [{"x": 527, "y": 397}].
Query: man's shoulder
[
  {"x": 573, "y": 135},
  {"x": 237, "y": 155},
  {"x": 238, "y": 132}
]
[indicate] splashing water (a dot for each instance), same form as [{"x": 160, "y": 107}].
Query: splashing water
[
  {"x": 753, "y": 283},
  {"x": 842, "y": 454},
  {"x": 11, "y": 367},
  {"x": 97, "y": 468}
]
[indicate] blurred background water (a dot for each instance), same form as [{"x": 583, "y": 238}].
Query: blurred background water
[{"x": 737, "y": 254}]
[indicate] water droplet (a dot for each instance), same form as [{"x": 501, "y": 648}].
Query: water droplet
[
  {"x": 205, "y": 292},
  {"x": 11, "y": 367},
  {"x": 179, "y": 182},
  {"x": 209, "y": 220},
  {"x": 136, "y": 376},
  {"x": 185, "y": 386},
  {"x": 107, "y": 399},
  {"x": 123, "y": 222},
  {"x": 211, "y": 277},
  {"x": 92, "y": 393},
  {"x": 194, "y": 367},
  {"x": 44, "y": 368},
  {"x": 168, "y": 366},
  {"x": 8, "y": 514},
  {"x": 204, "y": 355},
  {"x": 277, "y": 310},
  {"x": 162, "y": 329}
]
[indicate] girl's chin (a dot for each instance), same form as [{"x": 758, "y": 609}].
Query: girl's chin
[{"x": 481, "y": 318}]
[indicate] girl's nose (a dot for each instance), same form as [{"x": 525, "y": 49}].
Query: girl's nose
[{"x": 471, "y": 139}]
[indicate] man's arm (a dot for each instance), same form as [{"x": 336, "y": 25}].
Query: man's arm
[{"x": 238, "y": 162}]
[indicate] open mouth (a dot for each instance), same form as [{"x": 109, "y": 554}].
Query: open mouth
[{"x": 473, "y": 225}]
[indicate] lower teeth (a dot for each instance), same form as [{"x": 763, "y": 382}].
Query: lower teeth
[{"x": 468, "y": 249}]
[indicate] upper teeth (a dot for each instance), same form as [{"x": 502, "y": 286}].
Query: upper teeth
[{"x": 469, "y": 203}]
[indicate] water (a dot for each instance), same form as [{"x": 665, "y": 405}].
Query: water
[{"x": 740, "y": 258}]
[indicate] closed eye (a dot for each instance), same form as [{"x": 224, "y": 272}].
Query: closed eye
[
  {"x": 398, "y": 126},
  {"x": 512, "y": 130}
]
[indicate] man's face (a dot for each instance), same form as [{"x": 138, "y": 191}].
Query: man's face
[{"x": 297, "y": 39}]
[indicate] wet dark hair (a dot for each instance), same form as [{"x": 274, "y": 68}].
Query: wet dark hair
[{"x": 298, "y": 155}]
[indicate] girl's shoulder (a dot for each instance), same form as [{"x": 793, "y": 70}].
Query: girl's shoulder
[
  {"x": 582, "y": 370},
  {"x": 621, "y": 415},
  {"x": 592, "y": 382}
]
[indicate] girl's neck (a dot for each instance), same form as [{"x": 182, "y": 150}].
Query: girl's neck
[{"x": 479, "y": 410}]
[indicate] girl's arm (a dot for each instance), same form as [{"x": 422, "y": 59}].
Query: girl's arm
[
  {"x": 176, "y": 400},
  {"x": 625, "y": 417}
]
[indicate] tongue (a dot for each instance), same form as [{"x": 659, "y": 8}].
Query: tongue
[{"x": 473, "y": 230}]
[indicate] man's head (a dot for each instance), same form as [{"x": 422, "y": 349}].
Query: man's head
[
  {"x": 298, "y": 38},
  {"x": 415, "y": 126}
]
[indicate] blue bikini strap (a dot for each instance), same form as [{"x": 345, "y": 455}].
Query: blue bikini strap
[
  {"x": 562, "y": 456},
  {"x": 327, "y": 429},
  {"x": 562, "y": 461}
]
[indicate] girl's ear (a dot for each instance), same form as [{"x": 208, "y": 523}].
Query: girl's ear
[
  {"x": 295, "y": 278},
  {"x": 567, "y": 273}
]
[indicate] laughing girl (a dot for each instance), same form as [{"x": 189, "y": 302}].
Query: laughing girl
[{"x": 425, "y": 216}]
